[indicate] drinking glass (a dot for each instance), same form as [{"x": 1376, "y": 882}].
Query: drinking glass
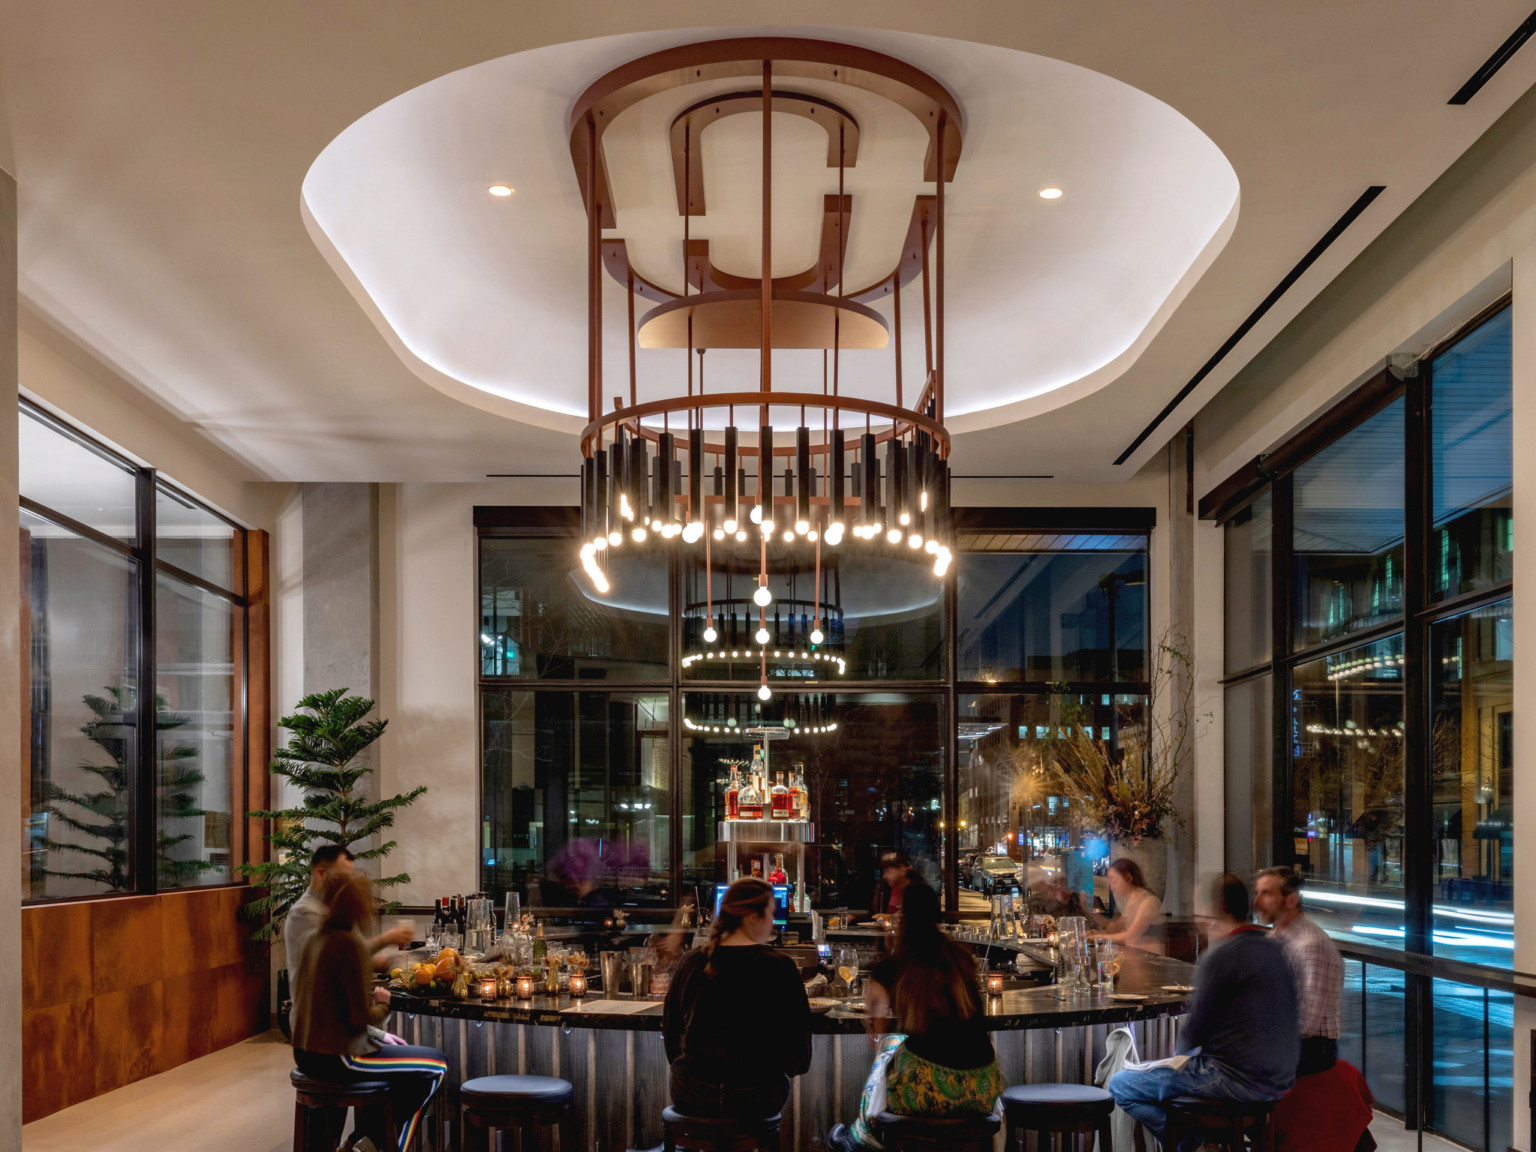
[
  {"x": 514, "y": 912},
  {"x": 847, "y": 958}
]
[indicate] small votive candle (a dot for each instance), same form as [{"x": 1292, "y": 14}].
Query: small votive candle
[
  {"x": 525, "y": 987},
  {"x": 578, "y": 985},
  {"x": 995, "y": 984}
]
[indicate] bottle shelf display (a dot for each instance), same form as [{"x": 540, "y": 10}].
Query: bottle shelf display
[{"x": 768, "y": 824}]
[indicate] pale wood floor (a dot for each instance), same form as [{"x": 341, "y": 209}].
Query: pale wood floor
[{"x": 238, "y": 1100}]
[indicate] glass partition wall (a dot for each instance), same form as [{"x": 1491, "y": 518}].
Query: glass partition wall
[
  {"x": 1369, "y": 708},
  {"x": 610, "y": 726},
  {"x": 133, "y": 615}
]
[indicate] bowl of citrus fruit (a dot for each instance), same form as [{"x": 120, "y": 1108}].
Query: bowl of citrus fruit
[{"x": 432, "y": 977}]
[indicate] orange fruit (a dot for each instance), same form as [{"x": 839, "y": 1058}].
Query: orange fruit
[
  {"x": 424, "y": 976},
  {"x": 446, "y": 971},
  {"x": 448, "y": 954}
]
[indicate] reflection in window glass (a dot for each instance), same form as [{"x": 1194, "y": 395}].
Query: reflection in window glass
[
  {"x": 1007, "y": 803},
  {"x": 193, "y": 539},
  {"x": 1250, "y": 578},
  {"x": 882, "y": 616},
  {"x": 1348, "y": 533},
  {"x": 1052, "y": 616},
  {"x": 1458, "y": 1106},
  {"x": 540, "y": 619},
  {"x": 874, "y": 781},
  {"x": 197, "y": 641},
  {"x": 1472, "y": 450},
  {"x": 76, "y": 479},
  {"x": 79, "y": 619},
  {"x": 1385, "y": 1042},
  {"x": 576, "y": 796},
  {"x": 1250, "y": 778},
  {"x": 1347, "y": 752},
  {"x": 1472, "y": 721}
]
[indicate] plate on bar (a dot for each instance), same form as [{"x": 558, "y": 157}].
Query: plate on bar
[
  {"x": 1130, "y": 997},
  {"x": 1178, "y": 987}
]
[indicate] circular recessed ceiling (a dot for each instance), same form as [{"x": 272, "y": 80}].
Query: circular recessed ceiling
[{"x": 484, "y": 296}]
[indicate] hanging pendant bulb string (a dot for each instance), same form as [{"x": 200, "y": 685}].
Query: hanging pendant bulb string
[{"x": 816, "y": 634}]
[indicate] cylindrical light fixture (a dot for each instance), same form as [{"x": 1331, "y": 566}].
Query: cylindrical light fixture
[
  {"x": 870, "y": 513},
  {"x": 804, "y": 479},
  {"x": 765, "y": 477},
  {"x": 835, "y": 500},
  {"x": 729, "y": 523}
]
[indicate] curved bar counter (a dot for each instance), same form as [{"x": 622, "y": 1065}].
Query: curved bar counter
[{"x": 610, "y": 1048}]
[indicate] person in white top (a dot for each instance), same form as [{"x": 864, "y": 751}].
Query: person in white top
[
  {"x": 308, "y": 913},
  {"x": 1139, "y": 923}
]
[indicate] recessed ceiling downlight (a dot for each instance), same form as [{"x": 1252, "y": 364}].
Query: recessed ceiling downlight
[
  {"x": 1050, "y": 193},
  {"x": 507, "y": 190}
]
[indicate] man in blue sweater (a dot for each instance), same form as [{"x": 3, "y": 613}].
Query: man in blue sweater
[{"x": 1242, "y": 1035}]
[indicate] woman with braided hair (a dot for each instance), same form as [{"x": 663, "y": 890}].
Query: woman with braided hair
[{"x": 737, "y": 1022}]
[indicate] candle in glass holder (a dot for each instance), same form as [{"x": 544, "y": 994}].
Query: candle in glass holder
[
  {"x": 525, "y": 987},
  {"x": 995, "y": 984},
  {"x": 578, "y": 985},
  {"x": 488, "y": 988}
]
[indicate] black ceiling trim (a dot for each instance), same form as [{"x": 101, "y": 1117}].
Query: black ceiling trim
[
  {"x": 1087, "y": 519},
  {"x": 529, "y": 516},
  {"x": 1500, "y": 57},
  {"x": 1362, "y": 202}
]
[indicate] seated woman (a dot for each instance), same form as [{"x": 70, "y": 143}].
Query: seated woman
[
  {"x": 737, "y": 1022},
  {"x": 1139, "y": 923},
  {"x": 334, "y": 1002},
  {"x": 940, "y": 1060}
]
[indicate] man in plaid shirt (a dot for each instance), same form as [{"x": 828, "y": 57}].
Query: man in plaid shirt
[{"x": 1315, "y": 962}]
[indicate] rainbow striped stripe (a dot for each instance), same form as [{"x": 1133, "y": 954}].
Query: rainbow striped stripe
[{"x": 381, "y": 1062}]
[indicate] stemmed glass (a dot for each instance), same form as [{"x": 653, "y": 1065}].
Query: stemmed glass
[{"x": 847, "y": 959}]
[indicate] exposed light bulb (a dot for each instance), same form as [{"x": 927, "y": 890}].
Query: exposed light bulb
[
  {"x": 802, "y": 527},
  {"x": 914, "y": 541},
  {"x": 693, "y": 532},
  {"x": 941, "y": 562},
  {"x": 904, "y": 519},
  {"x": 740, "y": 537},
  {"x": 931, "y": 547},
  {"x": 638, "y": 534},
  {"x": 762, "y": 636},
  {"x": 762, "y": 597},
  {"x": 719, "y": 534},
  {"x": 811, "y": 535},
  {"x": 756, "y": 515},
  {"x": 615, "y": 538},
  {"x": 835, "y": 532},
  {"x": 816, "y": 636},
  {"x": 789, "y": 536},
  {"x": 600, "y": 542},
  {"x": 599, "y": 581},
  {"x": 893, "y": 536},
  {"x": 763, "y": 693},
  {"x": 730, "y": 526},
  {"x": 922, "y": 501}
]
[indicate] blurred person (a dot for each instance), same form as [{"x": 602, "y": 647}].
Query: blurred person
[
  {"x": 940, "y": 1060},
  {"x": 1052, "y": 897},
  {"x": 309, "y": 911},
  {"x": 895, "y": 879},
  {"x": 1139, "y": 913},
  {"x": 1315, "y": 963},
  {"x": 335, "y": 1003},
  {"x": 737, "y": 1024},
  {"x": 1240, "y": 1040}
]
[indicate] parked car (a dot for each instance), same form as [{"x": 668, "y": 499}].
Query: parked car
[{"x": 996, "y": 874}]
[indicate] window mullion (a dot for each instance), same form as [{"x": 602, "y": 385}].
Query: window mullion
[{"x": 143, "y": 824}]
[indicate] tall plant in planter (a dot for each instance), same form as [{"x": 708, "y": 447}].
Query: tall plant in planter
[{"x": 329, "y": 732}]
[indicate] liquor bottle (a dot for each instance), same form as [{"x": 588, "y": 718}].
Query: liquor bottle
[
  {"x": 540, "y": 948},
  {"x": 797, "y": 804},
  {"x": 760, "y": 771},
  {"x": 750, "y": 804},
  {"x": 779, "y": 801},
  {"x": 733, "y": 796}
]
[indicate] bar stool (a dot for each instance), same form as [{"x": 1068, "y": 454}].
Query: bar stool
[
  {"x": 327, "y": 1101},
  {"x": 716, "y": 1134},
  {"x": 968, "y": 1133},
  {"x": 1056, "y": 1108},
  {"x": 522, "y": 1104},
  {"x": 1227, "y": 1122}
]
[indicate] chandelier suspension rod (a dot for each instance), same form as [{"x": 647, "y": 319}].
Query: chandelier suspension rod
[
  {"x": 594, "y": 280},
  {"x": 938, "y": 386}
]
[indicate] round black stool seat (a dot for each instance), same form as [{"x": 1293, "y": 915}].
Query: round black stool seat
[
  {"x": 1232, "y": 1123},
  {"x": 965, "y": 1133},
  {"x": 510, "y": 1091},
  {"x": 1064, "y": 1109},
  {"x": 719, "y": 1133},
  {"x": 333, "y": 1090},
  {"x": 522, "y": 1104}
]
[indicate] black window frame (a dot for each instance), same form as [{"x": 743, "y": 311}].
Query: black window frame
[{"x": 143, "y": 812}]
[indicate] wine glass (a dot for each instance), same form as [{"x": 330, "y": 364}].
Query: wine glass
[{"x": 847, "y": 959}]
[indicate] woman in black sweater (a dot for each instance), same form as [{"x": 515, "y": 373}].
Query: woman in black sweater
[{"x": 737, "y": 1022}]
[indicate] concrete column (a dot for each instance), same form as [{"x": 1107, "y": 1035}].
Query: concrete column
[
  {"x": 1523, "y": 804},
  {"x": 341, "y": 593},
  {"x": 10, "y": 677},
  {"x": 1179, "y": 532}
]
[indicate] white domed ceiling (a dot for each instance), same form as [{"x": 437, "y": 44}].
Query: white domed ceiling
[{"x": 485, "y": 297}]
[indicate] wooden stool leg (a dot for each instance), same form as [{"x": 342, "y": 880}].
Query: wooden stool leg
[
  {"x": 567, "y": 1129},
  {"x": 1106, "y": 1137}
]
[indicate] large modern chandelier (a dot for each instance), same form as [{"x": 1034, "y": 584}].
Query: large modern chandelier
[{"x": 708, "y": 470}]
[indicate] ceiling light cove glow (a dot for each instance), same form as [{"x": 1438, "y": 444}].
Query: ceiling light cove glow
[
  {"x": 1050, "y": 193},
  {"x": 507, "y": 190}
]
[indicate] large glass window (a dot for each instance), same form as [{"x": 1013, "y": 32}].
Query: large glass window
[
  {"x": 1348, "y": 533},
  {"x": 576, "y": 797},
  {"x": 540, "y": 619},
  {"x": 98, "y": 674},
  {"x": 80, "y": 626},
  {"x": 1472, "y": 450},
  {"x": 1047, "y": 614},
  {"x": 1472, "y": 722}
]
